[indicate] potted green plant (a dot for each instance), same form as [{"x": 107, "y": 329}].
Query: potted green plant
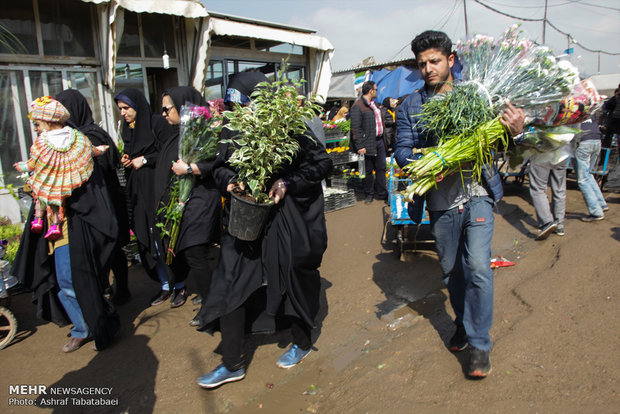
[{"x": 265, "y": 145}]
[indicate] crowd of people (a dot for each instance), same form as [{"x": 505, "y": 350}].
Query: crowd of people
[
  {"x": 266, "y": 283},
  {"x": 273, "y": 282}
]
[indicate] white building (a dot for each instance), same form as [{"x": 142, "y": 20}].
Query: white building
[{"x": 103, "y": 46}]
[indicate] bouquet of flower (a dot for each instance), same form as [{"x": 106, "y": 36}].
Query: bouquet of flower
[
  {"x": 583, "y": 100},
  {"x": 463, "y": 123},
  {"x": 199, "y": 134},
  {"x": 543, "y": 145}
]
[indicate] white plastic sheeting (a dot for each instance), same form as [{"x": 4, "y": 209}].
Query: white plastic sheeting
[
  {"x": 186, "y": 8},
  {"x": 342, "y": 85}
]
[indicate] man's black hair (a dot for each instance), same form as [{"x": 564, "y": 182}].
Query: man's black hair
[
  {"x": 431, "y": 39},
  {"x": 367, "y": 87}
]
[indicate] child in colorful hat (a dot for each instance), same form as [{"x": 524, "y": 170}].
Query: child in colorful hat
[{"x": 61, "y": 160}]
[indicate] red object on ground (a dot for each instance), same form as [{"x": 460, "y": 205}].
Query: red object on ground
[{"x": 500, "y": 262}]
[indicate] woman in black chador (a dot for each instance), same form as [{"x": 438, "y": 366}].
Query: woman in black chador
[
  {"x": 82, "y": 119},
  {"x": 81, "y": 260},
  {"x": 144, "y": 135},
  {"x": 196, "y": 247},
  {"x": 285, "y": 259}
]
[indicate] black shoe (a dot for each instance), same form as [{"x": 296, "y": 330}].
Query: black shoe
[
  {"x": 179, "y": 296},
  {"x": 197, "y": 300},
  {"x": 479, "y": 363},
  {"x": 195, "y": 321},
  {"x": 459, "y": 339},
  {"x": 368, "y": 200},
  {"x": 160, "y": 298},
  {"x": 546, "y": 230}
]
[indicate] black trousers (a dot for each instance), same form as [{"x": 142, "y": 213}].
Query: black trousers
[
  {"x": 376, "y": 186},
  {"x": 232, "y": 327},
  {"x": 197, "y": 263},
  {"x": 118, "y": 264}
]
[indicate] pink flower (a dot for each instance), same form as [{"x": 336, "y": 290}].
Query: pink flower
[{"x": 200, "y": 111}]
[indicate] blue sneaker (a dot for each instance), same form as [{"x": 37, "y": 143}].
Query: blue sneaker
[
  {"x": 219, "y": 376},
  {"x": 292, "y": 357}
]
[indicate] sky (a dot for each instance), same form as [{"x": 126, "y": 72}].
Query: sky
[{"x": 384, "y": 29}]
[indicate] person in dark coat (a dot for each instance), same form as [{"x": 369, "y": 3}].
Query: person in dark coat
[
  {"x": 368, "y": 140},
  {"x": 285, "y": 259},
  {"x": 144, "y": 135},
  {"x": 68, "y": 277},
  {"x": 196, "y": 249},
  {"x": 82, "y": 119},
  {"x": 388, "y": 111}
]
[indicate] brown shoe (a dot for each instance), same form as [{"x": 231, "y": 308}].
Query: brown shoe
[{"x": 74, "y": 344}]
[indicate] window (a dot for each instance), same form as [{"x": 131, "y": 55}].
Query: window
[
  {"x": 154, "y": 31},
  {"x": 66, "y": 28},
  {"x": 157, "y": 32},
  {"x": 130, "y": 41},
  {"x": 217, "y": 78},
  {"x": 18, "y": 29}
]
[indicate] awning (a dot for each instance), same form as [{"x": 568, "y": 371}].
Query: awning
[
  {"x": 321, "y": 50},
  {"x": 342, "y": 85},
  {"x": 224, "y": 27},
  {"x": 185, "y": 8}
]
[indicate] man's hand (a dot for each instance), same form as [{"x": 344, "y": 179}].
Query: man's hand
[
  {"x": 179, "y": 167},
  {"x": 361, "y": 151},
  {"x": 126, "y": 161},
  {"x": 278, "y": 190},
  {"x": 513, "y": 119}
]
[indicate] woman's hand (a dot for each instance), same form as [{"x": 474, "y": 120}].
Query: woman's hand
[
  {"x": 513, "y": 119},
  {"x": 278, "y": 190},
  {"x": 138, "y": 162},
  {"x": 126, "y": 161},
  {"x": 230, "y": 186},
  {"x": 179, "y": 167}
]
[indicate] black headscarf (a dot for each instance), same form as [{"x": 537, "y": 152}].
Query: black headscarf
[
  {"x": 141, "y": 138},
  {"x": 245, "y": 83},
  {"x": 182, "y": 94},
  {"x": 82, "y": 119},
  {"x": 170, "y": 152}
]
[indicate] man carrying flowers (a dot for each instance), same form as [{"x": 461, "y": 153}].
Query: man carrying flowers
[{"x": 460, "y": 207}]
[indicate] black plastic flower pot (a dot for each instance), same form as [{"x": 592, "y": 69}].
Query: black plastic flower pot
[{"x": 247, "y": 218}]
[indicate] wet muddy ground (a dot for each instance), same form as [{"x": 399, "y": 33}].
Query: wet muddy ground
[{"x": 382, "y": 333}]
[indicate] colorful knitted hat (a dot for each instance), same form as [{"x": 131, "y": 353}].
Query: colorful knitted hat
[{"x": 48, "y": 109}]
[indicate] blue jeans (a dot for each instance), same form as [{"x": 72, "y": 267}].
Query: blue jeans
[
  {"x": 463, "y": 240},
  {"x": 67, "y": 293},
  {"x": 163, "y": 279},
  {"x": 586, "y": 156}
]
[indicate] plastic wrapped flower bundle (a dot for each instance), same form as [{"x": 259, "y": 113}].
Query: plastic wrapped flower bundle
[
  {"x": 198, "y": 140},
  {"x": 547, "y": 140},
  {"x": 464, "y": 122}
]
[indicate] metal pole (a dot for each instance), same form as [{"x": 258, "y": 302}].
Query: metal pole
[
  {"x": 465, "y": 13},
  {"x": 544, "y": 23}
]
